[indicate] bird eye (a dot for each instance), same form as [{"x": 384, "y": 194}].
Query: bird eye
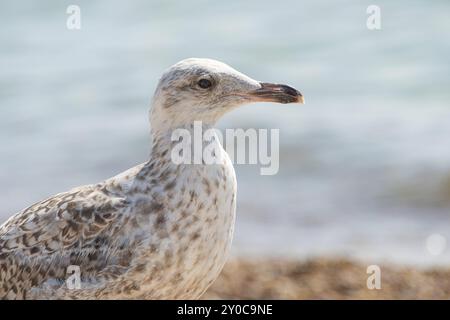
[{"x": 204, "y": 83}]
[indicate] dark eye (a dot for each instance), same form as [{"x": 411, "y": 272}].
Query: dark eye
[{"x": 204, "y": 83}]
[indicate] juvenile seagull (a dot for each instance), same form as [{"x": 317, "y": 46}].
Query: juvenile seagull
[{"x": 157, "y": 231}]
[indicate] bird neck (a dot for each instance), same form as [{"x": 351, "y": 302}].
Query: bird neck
[{"x": 191, "y": 133}]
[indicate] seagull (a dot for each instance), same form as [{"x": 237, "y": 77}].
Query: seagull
[{"x": 159, "y": 230}]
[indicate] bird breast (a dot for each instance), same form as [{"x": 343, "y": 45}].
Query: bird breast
[{"x": 187, "y": 229}]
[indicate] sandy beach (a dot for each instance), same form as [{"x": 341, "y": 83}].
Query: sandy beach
[{"x": 325, "y": 279}]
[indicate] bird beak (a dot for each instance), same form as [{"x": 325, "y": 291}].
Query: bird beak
[{"x": 270, "y": 92}]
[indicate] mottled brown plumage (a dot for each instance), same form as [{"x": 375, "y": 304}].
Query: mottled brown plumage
[{"x": 159, "y": 230}]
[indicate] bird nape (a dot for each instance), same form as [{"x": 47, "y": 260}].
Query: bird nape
[{"x": 160, "y": 230}]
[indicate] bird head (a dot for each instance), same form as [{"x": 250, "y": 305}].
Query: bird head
[{"x": 204, "y": 90}]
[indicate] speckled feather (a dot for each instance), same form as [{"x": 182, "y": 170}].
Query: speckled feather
[
  {"x": 157, "y": 231},
  {"x": 133, "y": 235}
]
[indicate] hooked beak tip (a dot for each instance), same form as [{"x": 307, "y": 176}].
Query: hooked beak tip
[
  {"x": 301, "y": 99},
  {"x": 280, "y": 93}
]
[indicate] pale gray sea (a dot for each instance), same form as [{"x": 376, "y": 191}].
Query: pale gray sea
[{"x": 364, "y": 165}]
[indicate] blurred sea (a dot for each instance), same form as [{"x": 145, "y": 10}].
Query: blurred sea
[{"x": 364, "y": 165}]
